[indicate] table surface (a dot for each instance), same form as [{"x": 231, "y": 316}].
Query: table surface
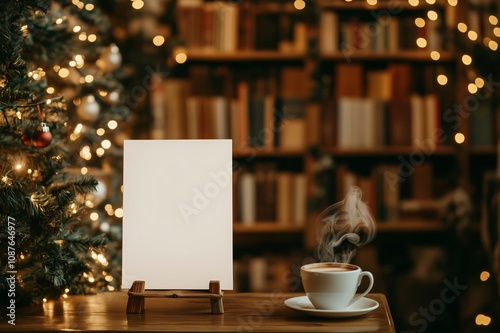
[{"x": 244, "y": 312}]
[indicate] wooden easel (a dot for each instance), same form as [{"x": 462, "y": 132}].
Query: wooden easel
[{"x": 137, "y": 293}]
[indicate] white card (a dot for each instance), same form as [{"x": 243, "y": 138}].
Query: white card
[{"x": 177, "y": 223}]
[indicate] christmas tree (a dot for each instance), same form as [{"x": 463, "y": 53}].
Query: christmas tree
[{"x": 60, "y": 106}]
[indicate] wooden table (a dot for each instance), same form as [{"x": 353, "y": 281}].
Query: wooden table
[{"x": 244, "y": 312}]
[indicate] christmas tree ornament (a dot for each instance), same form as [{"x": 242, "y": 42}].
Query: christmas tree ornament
[
  {"x": 110, "y": 60},
  {"x": 42, "y": 137},
  {"x": 88, "y": 109},
  {"x": 26, "y": 139}
]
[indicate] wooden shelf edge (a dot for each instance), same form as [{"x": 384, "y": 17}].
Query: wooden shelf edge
[
  {"x": 260, "y": 152},
  {"x": 389, "y": 151},
  {"x": 242, "y": 55},
  {"x": 407, "y": 55},
  {"x": 266, "y": 227},
  {"x": 381, "y": 4},
  {"x": 410, "y": 226}
]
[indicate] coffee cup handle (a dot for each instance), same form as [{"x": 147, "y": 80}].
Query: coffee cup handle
[{"x": 370, "y": 277}]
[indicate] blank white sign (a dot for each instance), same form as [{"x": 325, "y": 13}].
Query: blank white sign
[{"x": 177, "y": 222}]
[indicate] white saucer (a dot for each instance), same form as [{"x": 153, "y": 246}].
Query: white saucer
[{"x": 302, "y": 304}]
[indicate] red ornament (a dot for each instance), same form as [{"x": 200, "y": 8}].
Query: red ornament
[
  {"x": 26, "y": 140},
  {"x": 42, "y": 137}
]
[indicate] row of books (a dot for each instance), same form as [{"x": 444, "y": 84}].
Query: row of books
[
  {"x": 386, "y": 34},
  {"x": 223, "y": 26},
  {"x": 264, "y": 122},
  {"x": 268, "y": 195},
  {"x": 364, "y": 122},
  {"x": 381, "y": 107},
  {"x": 393, "y": 192}
]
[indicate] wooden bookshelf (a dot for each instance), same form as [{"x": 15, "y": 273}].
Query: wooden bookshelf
[{"x": 249, "y": 72}]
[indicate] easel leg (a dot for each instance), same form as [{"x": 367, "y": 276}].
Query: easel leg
[
  {"x": 216, "y": 304},
  {"x": 136, "y": 304}
]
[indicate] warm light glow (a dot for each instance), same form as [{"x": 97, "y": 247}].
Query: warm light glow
[
  {"x": 472, "y": 88},
  {"x": 459, "y": 138},
  {"x": 484, "y": 275},
  {"x": 137, "y": 4},
  {"x": 92, "y": 38},
  {"x": 82, "y": 36},
  {"x": 100, "y": 151},
  {"x": 301, "y": 4},
  {"x": 158, "y": 40},
  {"x": 100, "y": 131},
  {"x": 181, "y": 57},
  {"x": 453, "y": 3},
  {"x": 421, "y": 42},
  {"x": 94, "y": 216},
  {"x": 467, "y": 59},
  {"x": 59, "y": 21},
  {"x": 472, "y": 35},
  {"x": 442, "y": 79},
  {"x": 89, "y": 204},
  {"x": 479, "y": 82},
  {"x": 106, "y": 144},
  {"x": 119, "y": 212},
  {"x": 63, "y": 72},
  {"x": 493, "y": 45},
  {"x": 89, "y": 78},
  {"x": 91, "y": 279},
  {"x": 72, "y": 63},
  {"x": 44, "y": 300},
  {"x": 482, "y": 320},
  {"x": 104, "y": 228},
  {"x": 109, "y": 278},
  {"x": 77, "y": 28},
  {"x": 65, "y": 296},
  {"x": 85, "y": 153},
  {"x": 414, "y": 3},
  {"x": 101, "y": 259},
  {"x": 66, "y": 290},
  {"x": 493, "y": 19},
  {"x": 50, "y": 90},
  {"x": 435, "y": 55},
  {"x": 78, "y": 129},
  {"x": 89, "y": 7},
  {"x": 112, "y": 124},
  {"x": 462, "y": 27},
  {"x": 84, "y": 171},
  {"x": 111, "y": 288},
  {"x": 432, "y": 15},
  {"x": 420, "y": 22},
  {"x": 18, "y": 166},
  {"x": 430, "y": 2}
]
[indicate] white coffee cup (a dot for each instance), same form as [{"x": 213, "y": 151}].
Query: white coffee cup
[{"x": 332, "y": 286}]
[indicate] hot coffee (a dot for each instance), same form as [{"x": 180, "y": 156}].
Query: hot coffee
[
  {"x": 332, "y": 269},
  {"x": 332, "y": 286}
]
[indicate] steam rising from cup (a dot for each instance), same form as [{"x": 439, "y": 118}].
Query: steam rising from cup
[{"x": 343, "y": 227}]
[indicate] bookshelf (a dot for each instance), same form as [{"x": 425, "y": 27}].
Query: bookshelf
[{"x": 255, "y": 59}]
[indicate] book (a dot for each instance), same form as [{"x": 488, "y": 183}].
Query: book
[
  {"x": 400, "y": 105},
  {"x": 247, "y": 196},
  {"x": 284, "y": 198},
  {"x": 328, "y": 32},
  {"x": 299, "y": 204}
]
